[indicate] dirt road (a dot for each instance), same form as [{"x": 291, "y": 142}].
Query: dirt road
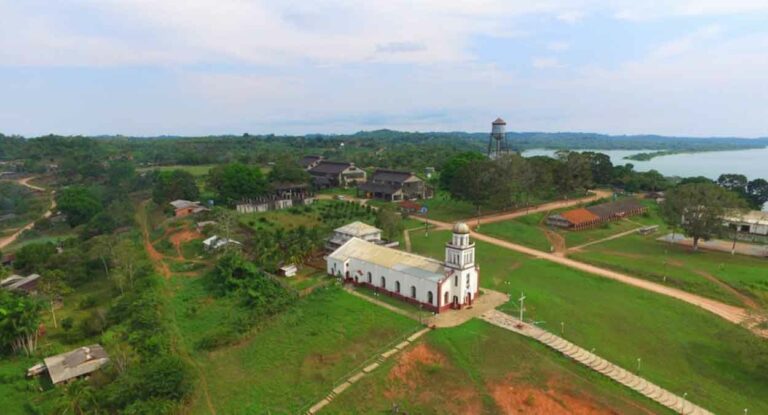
[
  {"x": 737, "y": 315},
  {"x": 560, "y": 204},
  {"x": 4, "y": 242}
]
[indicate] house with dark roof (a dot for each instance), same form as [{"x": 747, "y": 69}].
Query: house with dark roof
[
  {"x": 590, "y": 216},
  {"x": 308, "y": 162},
  {"x": 72, "y": 365},
  {"x": 336, "y": 174},
  {"x": 18, "y": 283},
  {"x": 394, "y": 185}
]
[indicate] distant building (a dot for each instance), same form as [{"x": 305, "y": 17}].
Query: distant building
[
  {"x": 328, "y": 174},
  {"x": 434, "y": 285},
  {"x": 409, "y": 206},
  {"x": 26, "y": 284},
  {"x": 354, "y": 230},
  {"x": 583, "y": 218},
  {"x": 394, "y": 185},
  {"x": 309, "y": 162},
  {"x": 750, "y": 226},
  {"x": 285, "y": 195},
  {"x": 288, "y": 270},
  {"x": 183, "y": 208},
  {"x": 72, "y": 365},
  {"x": 429, "y": 172},
  {"x": 215, "y": 242}
]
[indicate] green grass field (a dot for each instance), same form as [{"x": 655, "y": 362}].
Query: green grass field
[
  {"x": 645, "y": 257},
  {"x": 524, "y": 230},
  {"x": 486, "y": 370},
  {"x": 685, "y": 349},
  {"x": 196, "y": 170},
  {"x": 294, "y": 360}
]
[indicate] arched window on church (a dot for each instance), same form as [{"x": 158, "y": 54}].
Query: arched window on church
[
  {"x": 456, "y": 281},
  {"x": 445, "y": 298},
  {"x": 429, "y": 297},
  {"x": 370, "y": 278},
  {"x": 397, "y": 287},
  {"x": 413, "y": 291},
  {"x": 383, "y": 282}
]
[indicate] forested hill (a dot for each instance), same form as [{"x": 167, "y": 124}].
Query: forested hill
[{"x": 386, "y": 148}]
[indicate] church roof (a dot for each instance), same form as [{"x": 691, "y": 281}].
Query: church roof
[
  {"x": 401, "y": 261},
  {"x": 499, "y": 121},
  {"x": 357, "y": 229}
]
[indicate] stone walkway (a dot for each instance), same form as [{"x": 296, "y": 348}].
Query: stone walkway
[
  {"x": 341, "y": 387},
  {"x": 594, "y": 362}
]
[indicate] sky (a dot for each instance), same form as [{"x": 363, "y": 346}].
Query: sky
[{"x": 200, "y": 67}]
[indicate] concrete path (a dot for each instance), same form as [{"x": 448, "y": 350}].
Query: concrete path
[
  {"x": 369, "y": 366},
  {"x": 596, "y": 363},
  {"x": 612, "y": 237},
  {"x": 742, "y": 248},
  {"x": 734, "y": 314}
]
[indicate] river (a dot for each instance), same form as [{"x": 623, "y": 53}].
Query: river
[{"x": 751, "y": 163}]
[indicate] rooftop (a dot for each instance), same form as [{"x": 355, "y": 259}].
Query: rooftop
[
  {"x": 330, "y": 167},
  {"x": 78, "y": 362},
  {"x": 756, "y": 217},
  {"x": 401, "y": 261},
  {"x": 618, "y": 207},
  {"x": 386, "y": 175},
  {"x": 357, "y": 229},
  {"x": 181, "y": 204},
  {"x": 579, "y": 216}
]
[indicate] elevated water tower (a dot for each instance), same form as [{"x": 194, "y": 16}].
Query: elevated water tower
[{"x": 497, "y": 142}]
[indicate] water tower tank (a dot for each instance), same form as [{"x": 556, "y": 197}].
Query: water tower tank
[{"x": 499, "y": 129}]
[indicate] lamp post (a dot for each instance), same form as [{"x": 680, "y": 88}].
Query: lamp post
[
  {"x": 682, "y": 409},
  {"x": 562, "y": 328},
  {"x": 639, "y": 361}
]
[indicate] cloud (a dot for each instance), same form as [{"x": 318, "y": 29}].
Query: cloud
[
  {"x": 571, "y": 16},
  {"x": 684, "y": 44},
  {"x": 400, "y": 47},
  {"x": 546, "y": 63},
  {"x": 558, "y": 46}
]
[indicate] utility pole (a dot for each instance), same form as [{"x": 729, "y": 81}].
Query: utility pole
[
  {"x": 639, "y": 360},
  {"x": 522, "y": 307},
  {"x": 562, "y": 328}
]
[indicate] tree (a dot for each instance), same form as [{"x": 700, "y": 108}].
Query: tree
[
  {"x": 33, "y": 257},
  {"x": 574, "y": 172},
  {"x": 390, "y": 222},
  {"x": 79, "y": 203},
  {"x": 19, "y": 322},
  {"x": 698, "y": 209},
  {"x": 126, "y": 264},
  {"x": 733, "y": 182},
  {"x": 173, "y": 185},
  {"x": 76, "y": 398},
  {"x": 286, "y": 170},
  {"x": 476, "y": 182},
  {"x": 454, "y": 164},
  {"x": 757, "y": 192},
  {"x": 52, "y": 285},
  {"x": 601, "y": 166},
  {"x": 235, "y": 181}
]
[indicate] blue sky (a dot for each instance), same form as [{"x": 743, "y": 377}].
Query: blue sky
[{"x": 141, "y": 67}]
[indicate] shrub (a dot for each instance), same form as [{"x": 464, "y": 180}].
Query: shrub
[
  {"x": 67, "y": 323},
  {"x": 87, "y": 302}
]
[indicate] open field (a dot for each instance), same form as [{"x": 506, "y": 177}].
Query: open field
[
  {"x": 682, "y": 347},
  {"x": 697, "y": 272},
  {"x": 525, "y": 230},
  {"x": 294, "y": 359},
  {"x": 196, "y": 170},
  {"x": 478, "y": 368}
]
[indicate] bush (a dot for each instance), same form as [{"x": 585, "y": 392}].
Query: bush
[
  {"x": 154, "y": 387},
  {"x": 87, "y": 302},
  {"x": 67, "y": 323}
]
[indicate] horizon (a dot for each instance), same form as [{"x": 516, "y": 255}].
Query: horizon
[{"x": 197, "y": 68}]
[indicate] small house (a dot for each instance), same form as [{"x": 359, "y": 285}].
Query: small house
[
  {"x": 200, "y": 226},
  {"x": 183, "y": 208},
  {"x": 214, "y": 243},
  {"x": 72, "y": 365},
  {"x": 394, "y": 185},
  {"x": 582, "y": 218},
  {"x": 26, "y": 284},
  {"x": 751, "y": 226},
  {"x": 409, "y": 206},
  {"x": 309, "y": 162},
  {"x": 288, "y": 270},
  {"x": 327, "y": 174}
]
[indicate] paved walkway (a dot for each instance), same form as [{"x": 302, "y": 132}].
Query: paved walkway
[
  {"x": 734, "y": 314},
  {"x": 742, "y": 248},
  {"x": 596, "y": 363},
  {"x": 371, "y": 365},
  {"x": 609, "y": 238}
]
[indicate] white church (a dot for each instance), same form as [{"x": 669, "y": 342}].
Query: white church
[{"x": 435, "y": 285}]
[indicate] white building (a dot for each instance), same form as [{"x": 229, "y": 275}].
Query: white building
[
  {"x": 354, "y": 230},
  {"x": 750, "y": 226},
  {"x": 435, "y": 285},
  {"x": 216, "y": 242}
]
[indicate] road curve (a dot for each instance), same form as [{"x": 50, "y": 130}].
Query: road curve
[
  {"x": 4, "y": 242},
  {"x": 734, "y": 314}
]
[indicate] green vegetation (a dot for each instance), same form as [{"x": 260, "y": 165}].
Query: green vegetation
[
  {"x": 19, "y": 205},
  {"x": 525, "y": 230},
  {"x": 488, "y": 370},
  {"x": 651, "y": 155},
  {"x": 684, "y": 353},
  {"x": 678, "y": 266},
  {"x": 295, "y": 358}
]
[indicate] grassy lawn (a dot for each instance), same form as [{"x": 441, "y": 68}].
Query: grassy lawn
[
  {"x": 486, "y": 370},
  {"x": 645, "y": 257},
  {"x": 443, "y": 208},
  {"x": 524, "y": 230},
  {"x": 197, "y": 170},
  {"x": 279, "y": 218},
  {"x": 294, "y": 360},
  {"x": 682, "y": 347},
  {"x": 19, "y": 395}
]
